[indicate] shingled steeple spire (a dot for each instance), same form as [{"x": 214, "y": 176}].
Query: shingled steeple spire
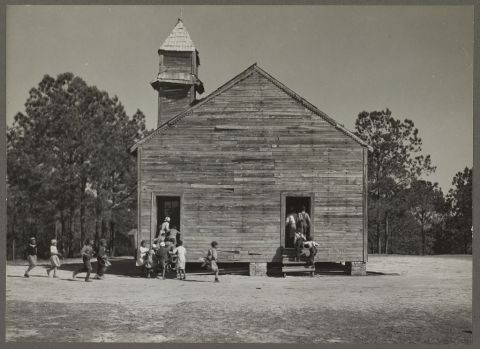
[{"x": 177, "y": 82}]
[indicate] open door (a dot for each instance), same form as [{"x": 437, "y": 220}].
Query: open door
[
  {"x": 168, "y": 206},
  {"x": 292, "y": 205}
]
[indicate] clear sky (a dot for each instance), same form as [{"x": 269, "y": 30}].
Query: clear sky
[{"x": 415, "y": 60}]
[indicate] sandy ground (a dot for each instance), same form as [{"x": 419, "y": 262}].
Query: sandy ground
[{"x": 404, "y": 299}]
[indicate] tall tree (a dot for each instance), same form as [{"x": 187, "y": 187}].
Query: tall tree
[
  {"x": 460, "y": 202},
  {"x": 426, "y": 202},
  {"x": 70, "y": 141},
  {"x": 395, "y": 161}
]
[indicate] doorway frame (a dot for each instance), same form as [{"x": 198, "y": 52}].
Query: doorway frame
[
  {"x": 153, "y": 210},
  {"x": 283, "y": 211}
]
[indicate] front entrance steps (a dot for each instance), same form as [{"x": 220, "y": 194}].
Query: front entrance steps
[{"x": 290, "y": 265}]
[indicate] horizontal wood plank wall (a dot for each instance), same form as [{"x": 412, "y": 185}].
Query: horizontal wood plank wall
[
  {"x": 177, "y": 62},
  {"x": 233, "y": 157}
]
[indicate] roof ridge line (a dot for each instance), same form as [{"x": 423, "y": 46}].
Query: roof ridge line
[{"x": 239, "y": 77}]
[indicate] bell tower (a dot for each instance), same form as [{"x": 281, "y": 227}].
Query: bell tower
[{"x": 177, "y": 81}]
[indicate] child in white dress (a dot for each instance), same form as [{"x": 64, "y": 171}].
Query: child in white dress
[
  {"x": 54, "y": 260},
  {"x": 181, "y": 253}
]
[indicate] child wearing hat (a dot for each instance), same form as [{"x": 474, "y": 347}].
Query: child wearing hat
[
  {"x": 31, "y": 256},
  {"x": 54, "y": 260},
  {"x": 87, "y": 254}
]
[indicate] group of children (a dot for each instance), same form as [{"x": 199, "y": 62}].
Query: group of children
[
  {"x": 87, "y": 253},
  {"x": 164, "y": 255},
  {"x": 168, "y": 254}
]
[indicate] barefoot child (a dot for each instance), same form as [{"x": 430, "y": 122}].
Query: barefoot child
[
  {"x": 212, "y": 258},
  {"x": 181, "y": 259},
  {"x": 162, "y": 259},
  {"x": 87, "y": 254},
  {"x": 149, "y": 267},
  {"x": 31, "y": 256},
  {"x": 312, "y": 247},
  {"x": 102, "y": 259},
  {"x": 54, "y": 260}
]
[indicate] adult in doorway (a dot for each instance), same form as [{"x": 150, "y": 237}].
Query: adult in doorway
[
  {"x": 291, "y": 227},
  {"x": 304, "y": 222}
]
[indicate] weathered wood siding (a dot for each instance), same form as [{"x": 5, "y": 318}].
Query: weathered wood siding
[
  {"x": 177, "y": 62},
  {"x": 172, "y": 99},
  {"x": 234, "y": 156}
]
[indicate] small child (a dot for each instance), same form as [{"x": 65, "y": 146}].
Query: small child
[
  {"x": 181, "y": 253},
  {"x": 312, "y": 247},
  {"x": 162, "y": 259},
  {"x": 299, "y": 240},
  {"x": 54, "y": 260},
  {"x": 149, "y": 264},
  {"x": 102, "y": 260},
  {"x": 212, "y": 258},
  {"x": 31, "y": 256},
  {"x": 87, "y": 254}
]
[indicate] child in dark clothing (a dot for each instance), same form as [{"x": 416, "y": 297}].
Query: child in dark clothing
[
  {"x": 102, "y": 259},
  {"x": 87, "y": 254},
  {"x": 31, "y": 256},
  {"x": 312, "y": 247}
]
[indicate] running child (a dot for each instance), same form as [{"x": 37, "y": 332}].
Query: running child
[
  {"x": 54, "y": 260},
  {"x": 87, "y": 254},
  {"x": 31, "y": 256},
  {"x": 102, "y": 260}
]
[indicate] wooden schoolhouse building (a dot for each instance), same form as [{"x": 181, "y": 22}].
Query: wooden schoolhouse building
[{"x": 230, "y": 166}]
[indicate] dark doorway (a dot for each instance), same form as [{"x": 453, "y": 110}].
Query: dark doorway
[
  {"x": 294, "y": 205},
  {"x": 168, "y": 206}
]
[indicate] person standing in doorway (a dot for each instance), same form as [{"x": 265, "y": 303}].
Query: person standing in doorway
[
  {"x": 291, "y": 227},
  {"x": 31, "y": 256},
  {"x": 299, "y": 240},
  {"x": 304, "y": 221},
  {"x": 164, "y": 228}
]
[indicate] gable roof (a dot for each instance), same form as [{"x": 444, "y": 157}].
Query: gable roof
[
  {"x": 178, "y": 40},
  {"x": 243, "y": 75}
]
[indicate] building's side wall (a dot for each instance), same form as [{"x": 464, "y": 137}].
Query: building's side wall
[{"x": 232, "y": 159}]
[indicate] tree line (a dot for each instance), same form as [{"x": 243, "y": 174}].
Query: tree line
[
  {"x": 407, "y": 214},
  {"x": 69, "y": 172},
  {"x": 70, "y": 175}
]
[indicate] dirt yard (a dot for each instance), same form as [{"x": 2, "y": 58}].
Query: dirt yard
[{"x": 404, "y": 299}]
